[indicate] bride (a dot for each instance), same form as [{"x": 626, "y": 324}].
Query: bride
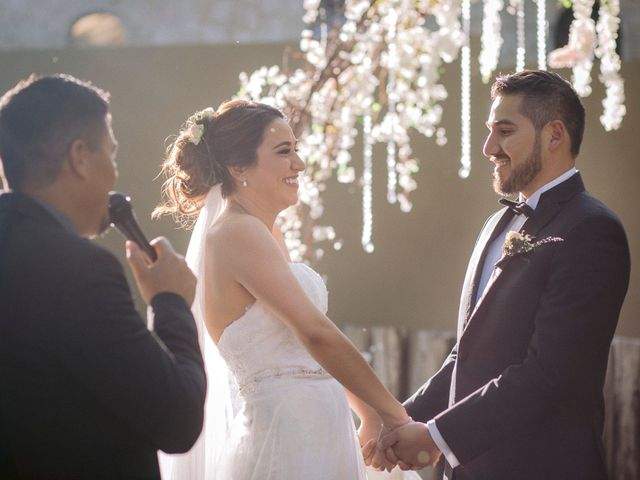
[{"x": 281, "y": 375}]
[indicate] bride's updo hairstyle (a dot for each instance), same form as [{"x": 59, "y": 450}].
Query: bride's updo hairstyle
[{"x": 210, "y": 142}]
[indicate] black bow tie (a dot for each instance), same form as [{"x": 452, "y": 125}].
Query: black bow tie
[{"x": 519, "y": 208}]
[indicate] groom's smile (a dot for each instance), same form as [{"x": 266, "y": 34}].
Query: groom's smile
[
  {"x": 500, "y": 163},
  {"x": 513, "y": 146}
]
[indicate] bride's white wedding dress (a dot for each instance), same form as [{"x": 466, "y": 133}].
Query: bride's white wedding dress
[
  {"x": 295, "y": 422},
  {"x": 272, "y": 412}
]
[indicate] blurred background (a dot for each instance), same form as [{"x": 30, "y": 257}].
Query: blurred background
[{"x": 163, "y": 60}]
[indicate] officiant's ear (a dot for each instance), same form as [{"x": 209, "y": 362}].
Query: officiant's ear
[{"x": 77, "y": 161}]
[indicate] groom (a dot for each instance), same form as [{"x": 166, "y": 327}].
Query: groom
[
  {"x": 86, "y": 390},
  {"x": 520, "y": 395}
]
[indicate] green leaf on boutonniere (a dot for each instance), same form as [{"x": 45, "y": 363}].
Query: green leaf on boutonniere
[{"x": 518, "y": 244}]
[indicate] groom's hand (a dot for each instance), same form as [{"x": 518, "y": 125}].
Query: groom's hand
[{"x": 411, "y": 446}]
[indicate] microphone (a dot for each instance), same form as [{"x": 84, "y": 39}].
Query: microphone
[{"x": 122, "y": 217}]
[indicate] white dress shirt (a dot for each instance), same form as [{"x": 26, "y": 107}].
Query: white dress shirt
[{"x": 494, "y": 252}]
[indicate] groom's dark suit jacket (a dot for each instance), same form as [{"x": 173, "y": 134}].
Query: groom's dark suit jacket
[
  {"x": 527, "y": 371},
  {"x": 86, "y": 390}
]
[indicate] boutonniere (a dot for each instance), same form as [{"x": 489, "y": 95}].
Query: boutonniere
[{"x": 518, "y": 244}]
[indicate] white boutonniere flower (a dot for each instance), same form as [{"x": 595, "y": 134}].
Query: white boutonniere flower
[{"x": 518, "y": 244}]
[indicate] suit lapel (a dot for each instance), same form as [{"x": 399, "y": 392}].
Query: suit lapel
[
  {"x": 492, "y": 229},
  {"x": 505, "y": 217}
]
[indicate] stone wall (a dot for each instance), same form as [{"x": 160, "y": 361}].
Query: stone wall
[{"x": 46, "y": 24}]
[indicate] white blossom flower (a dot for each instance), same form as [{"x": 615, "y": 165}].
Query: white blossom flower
[
  {"x": 383, "y": 64},
  {"x": 194, "y": 133}
]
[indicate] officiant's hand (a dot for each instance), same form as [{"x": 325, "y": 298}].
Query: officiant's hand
[
  {"x": 369, "y": 434},
  {"x": 410, "y": 446},
  {"x": 169, "y": 273}
]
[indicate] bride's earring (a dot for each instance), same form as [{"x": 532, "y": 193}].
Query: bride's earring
[{"x": 244, "y": 183}]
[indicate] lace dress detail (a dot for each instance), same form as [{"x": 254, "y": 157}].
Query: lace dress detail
[
  {"x": 259, "y": 346},
  {"x": 295, "y": 422}
]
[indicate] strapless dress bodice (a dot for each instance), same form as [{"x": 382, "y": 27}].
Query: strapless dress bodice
[{"x": 259, "y": 345}]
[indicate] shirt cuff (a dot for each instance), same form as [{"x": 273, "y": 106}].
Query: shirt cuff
[{"x": 442, "y": 445}]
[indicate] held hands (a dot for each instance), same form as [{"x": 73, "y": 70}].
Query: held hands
[
  {"x": 369, "y": 435},
  {"x": 374, "y": 428},
  {"x": 410, "y": 446},
  {"x": 169, "y": 273}
]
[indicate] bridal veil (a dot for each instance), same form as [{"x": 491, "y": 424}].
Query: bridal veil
[{"x": 222, "y": 400}]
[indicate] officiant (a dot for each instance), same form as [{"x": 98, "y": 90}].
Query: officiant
[{"x": 86, "y": 390}]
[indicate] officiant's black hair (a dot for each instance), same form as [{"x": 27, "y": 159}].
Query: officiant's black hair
[
  {"x": 230, "y": 137},
  {"x": 39, "y": 119},
  {"x": 546, "y": 96}
]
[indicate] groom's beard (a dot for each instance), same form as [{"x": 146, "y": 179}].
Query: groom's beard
[{"x": 521, "y": 175}]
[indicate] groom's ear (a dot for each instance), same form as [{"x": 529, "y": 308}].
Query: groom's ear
[{"x": 557, "y": 134}]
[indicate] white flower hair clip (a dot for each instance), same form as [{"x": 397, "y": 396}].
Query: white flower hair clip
[
  {"x": 194, "y": 133},
  {"x": 195, "y": 124}
]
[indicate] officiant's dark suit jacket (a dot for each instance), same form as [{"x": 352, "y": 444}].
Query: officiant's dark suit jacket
[
  {"x": 527, "y": 372},
  {"x": 86, "y": 390}
]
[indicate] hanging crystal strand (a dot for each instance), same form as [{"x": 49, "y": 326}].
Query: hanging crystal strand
[
  {"x": 491, "y": 38},
  {"x": 542, "y": 34},
  {"x": 323, "y": 28},
  {"x": 367, "y": 181},
  {"x": 520, "y": 38},
  {"x": 392, "y": 177},
  {"x": 607, "y": 28},
  {"x": 582, "y": 34},
  {"x": 465, "y": 114}
]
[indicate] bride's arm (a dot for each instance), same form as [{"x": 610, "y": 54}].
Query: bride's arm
[
  {"x": 368, "y": 432},
  {"x": 370, "y": 421},
  {"x": 257, "y": 264}
]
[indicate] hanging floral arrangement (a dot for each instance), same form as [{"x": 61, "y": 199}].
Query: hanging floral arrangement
[
  {"x": 375, "y": 75},
  {"x": 588, "y": 40}
]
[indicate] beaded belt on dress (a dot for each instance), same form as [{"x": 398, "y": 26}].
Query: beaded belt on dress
[{"x": 282, "y": 372}]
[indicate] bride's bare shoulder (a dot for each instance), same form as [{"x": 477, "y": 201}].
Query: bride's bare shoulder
[{"x": 237, "y": 231}]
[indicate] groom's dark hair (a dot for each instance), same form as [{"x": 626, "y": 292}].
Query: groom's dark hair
[
  {"x": 39, "y": 120},
  {"x": 546, "y": 96}
]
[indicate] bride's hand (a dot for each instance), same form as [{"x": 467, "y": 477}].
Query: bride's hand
[
  {"x": 369, "y": 435},
  {"x": 411, "y": 446},
  {"x": 390, "y": 423},
  {"x": 369, "y": 428}
]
